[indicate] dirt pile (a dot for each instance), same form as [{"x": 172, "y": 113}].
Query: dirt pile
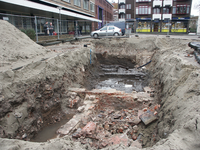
[{"x": 18, "y": 49}]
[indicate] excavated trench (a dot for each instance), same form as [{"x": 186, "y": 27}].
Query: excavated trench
[{"x": 120, "y": 93}]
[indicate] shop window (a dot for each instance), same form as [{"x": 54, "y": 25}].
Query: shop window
[
  {"x": 143, "y": 26},
  {"x": 85, "y": 4},
  {"x": 128, "y": 6},
  {"x": 128, "y": 16},
  {"x": 77, "y": 3},
  {"x": 156, "y": 10}
]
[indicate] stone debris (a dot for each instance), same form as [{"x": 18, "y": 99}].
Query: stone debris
[
  {"x": 89, "y": 128},
  {"x": 104, "y": 121},
  {"x": 148, "y": 117},
  {"x": 81, "y": 108},
  {"x": 18, "y": 114},
  {"x": 65, "y": 129}
]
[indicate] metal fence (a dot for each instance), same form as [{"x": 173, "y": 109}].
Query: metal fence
[{"x": 44, "y": 31}]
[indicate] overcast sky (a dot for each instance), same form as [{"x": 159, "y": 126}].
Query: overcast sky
[{"x": 195, "y": 10}]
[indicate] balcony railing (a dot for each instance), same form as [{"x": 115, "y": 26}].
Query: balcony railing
[
  {"x": 121, "y": 19},
  {"x": 122, "y": 1},
  {"x": 167, "y": 16},
  {"x": 157, "y": 3},
  {"x": 121, "y": 11},
  {"x": 167, "y": 3},
  {"x": 156, "y": 16}
]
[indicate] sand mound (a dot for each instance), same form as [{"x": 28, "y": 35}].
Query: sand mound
[{"x": 16, "y": 48}]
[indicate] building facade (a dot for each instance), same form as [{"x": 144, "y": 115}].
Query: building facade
[
  {"x": 156, "y": 15},
  {"x": 67, "y": 12},
  {"x": 104, "y": 12}
]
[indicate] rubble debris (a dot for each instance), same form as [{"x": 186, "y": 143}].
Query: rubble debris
[
  {"x": 77, "y": 134},
  {"x": 89, "y": 128},
  {"x": 148, "y": 117}
]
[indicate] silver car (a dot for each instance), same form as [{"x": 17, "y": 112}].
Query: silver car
[{"x": 107, "y": 31}]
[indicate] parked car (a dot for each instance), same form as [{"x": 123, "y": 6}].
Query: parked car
[
  {"x": 119, "y": 24},
  {"x": 107, "y": 31}
]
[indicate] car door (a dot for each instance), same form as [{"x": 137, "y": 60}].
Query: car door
[
  {"x": 103, "y": 31},
  {"x": 111, "y": 30}
]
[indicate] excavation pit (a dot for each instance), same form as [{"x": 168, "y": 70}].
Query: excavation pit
[
  {"x": 45, "y": 84},
  {"x": 117, "y": 102}
]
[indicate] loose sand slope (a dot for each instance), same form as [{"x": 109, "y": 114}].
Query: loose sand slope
[{"x": 16, "y": 48}]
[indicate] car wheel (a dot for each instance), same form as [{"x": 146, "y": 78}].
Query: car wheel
[
  {"x": 95, "y": 35},
  {"x": 116, "y": 34}
]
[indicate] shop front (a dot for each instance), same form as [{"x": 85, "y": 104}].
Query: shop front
[
  {"x": 143, "y": 25},
  {"x": 180, "y": 24}
]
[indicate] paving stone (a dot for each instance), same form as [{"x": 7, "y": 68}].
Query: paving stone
[
  {"x": 65, "y": 129},
  {"x": 148, "y": 117},
  {"x": 89, "y": 128},
  {"x": 119, "y": 138},
  {"x": 134, "y": 120}
]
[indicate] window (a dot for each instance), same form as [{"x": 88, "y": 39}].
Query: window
[
  {"x": 91, "y": 7},
  {"x": 111, "y": 28},
  {"x": 104, "y": 28},
  {"x": 128, "y": 16},
  {"x": 156, "y": 10},
  {"x": 181, "y": 9},
  {"x": 85, "y": 4},
  {"x": 122, "y": 7},
  {"x": 66, "y": 1},
  {"x": 77, "y": 3},
  {"x": 143, "y": 0},
  {"x": 143, "y": 10},
  {"x": 128, "y": 6},
  {"x": 165, "y": 10},
  {"x": 122, "y": 16}
]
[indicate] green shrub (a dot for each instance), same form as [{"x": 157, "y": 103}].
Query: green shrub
[{"x": 30, "y": 33}]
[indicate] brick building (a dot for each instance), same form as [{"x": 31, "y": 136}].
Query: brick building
[
  {"x": 156, "y": 15},
  {"x": 104, "y": 12}
]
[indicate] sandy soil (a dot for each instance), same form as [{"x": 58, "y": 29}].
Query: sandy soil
[{"x": 175, "y": 76}]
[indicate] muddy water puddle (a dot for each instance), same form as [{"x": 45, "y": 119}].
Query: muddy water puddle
[
  {"x": 121, "y": 78},
  {"x": 49, "y": 132}
]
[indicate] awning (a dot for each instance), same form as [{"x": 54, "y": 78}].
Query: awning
[
  {"x": 33, "y": 5},
  {"x": 180, "y": 18}
]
